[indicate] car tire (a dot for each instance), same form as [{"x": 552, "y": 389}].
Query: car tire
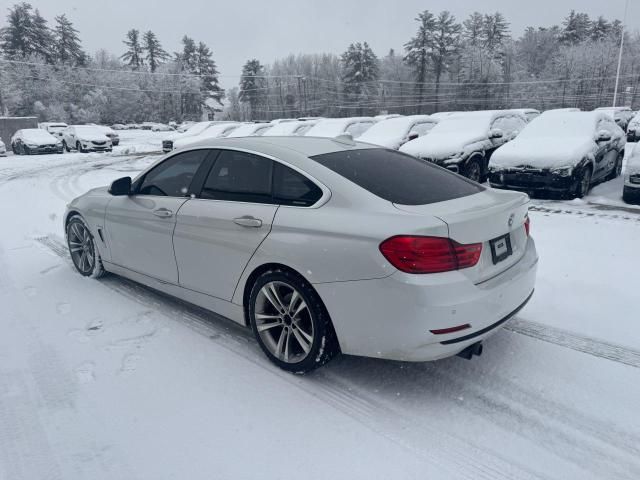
[
  {"x": 584, "y": 183},
  {"x": 290, "y": 322},
  {"x": 79, "y": 148},
  {"x": 65, "y": 147},
  {"x": 473, "y": 169},
  {"x": 617, "y": 169},
  {"x": 82, "y": 248},
  {"x": 15, "y": 150},
  {"x": 631, "y": 195}
]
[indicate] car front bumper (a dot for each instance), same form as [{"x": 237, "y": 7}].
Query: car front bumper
[
  {"x": 41, "y": 150},
  {"x": 392, "y": 317},
  {"x": 531, "y": 181}
]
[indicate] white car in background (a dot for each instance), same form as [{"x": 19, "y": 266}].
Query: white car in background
[
  {"x": 633, "y": 129},
  {"x": 563, "y": 152},
  {"x": 54, "y": 128},
  {"x": 387, "y": 116},
  {"x": 464, "y": 142},
  {"x": 31, "y": 141},
  {"x": 631, "y": 189},
  {"x": 334, "y": 127},
  {"x": 442, "y": 115},
  {"x": 217, "y": 130},
  {"x": 250, "y": 130},
  {"x": 621, "y": 115},
  {"x": 284, "y": 129},
  {"x": 3, "y": 148},
  {"x": 396, "y": 131},
  {"x": 191, "y": 131},
  {"x": 111, "y": 133},
  {"x": 161, "y": 127},
  {"x": 86, "y": 138}
]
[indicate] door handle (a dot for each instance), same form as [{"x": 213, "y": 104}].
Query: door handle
[
  {"x": 163, "y": 212},
  {"x": 248, "y": 221}
]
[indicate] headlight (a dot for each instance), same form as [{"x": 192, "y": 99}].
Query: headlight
[
  {"x": 563, "y": 172},
  {"x": 32, "y": 146}
]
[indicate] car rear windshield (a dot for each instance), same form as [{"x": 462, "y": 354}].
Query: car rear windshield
[{"x": 397, "y": 177}]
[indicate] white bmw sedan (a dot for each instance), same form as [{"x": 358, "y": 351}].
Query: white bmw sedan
[{"x": 319, "y": 245}]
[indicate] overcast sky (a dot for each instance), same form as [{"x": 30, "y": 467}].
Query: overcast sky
[{"x": 237, "y": 30}]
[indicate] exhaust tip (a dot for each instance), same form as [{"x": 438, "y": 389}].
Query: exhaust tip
[{"x": 471, "y": 350}]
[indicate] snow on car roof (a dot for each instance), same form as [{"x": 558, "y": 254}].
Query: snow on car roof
[
  {"x": 393, "y": 128},
  {"x": 36, "y": 134},
  {"x": 332, "y": 127},
  {"x": 249, "y": 129},
  {"x": 288, "y": 128},
  {"x": 554, "y": 124}
]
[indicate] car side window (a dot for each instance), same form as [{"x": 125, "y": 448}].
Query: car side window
[
  {"x": 292, "y": 188},
  {"x": 240, "y": 177},
  {"x": 173, "y": 177},
  {"x": 358, "y": 128}
]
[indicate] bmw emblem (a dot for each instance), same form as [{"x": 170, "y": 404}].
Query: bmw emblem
[{"x": 511, "y": 217}]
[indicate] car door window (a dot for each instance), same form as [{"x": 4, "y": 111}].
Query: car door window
[
  {"x": 240, "y": 177},
  {"x": 358, "y": 128},
  {"x": 292, "y": 188},
  {"x": 422, "y": 128},
  {"x": 173, "y": 177}
]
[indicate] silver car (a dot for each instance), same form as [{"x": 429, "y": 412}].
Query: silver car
[{"x": 319, "y": 245}]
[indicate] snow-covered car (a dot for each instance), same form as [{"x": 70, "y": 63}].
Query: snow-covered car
[
  {"x": 28, "y": 141},
  {"x": 290, "y": 128},
  {"x": 161, "y": 127},
  {"x": 3, "y": 148},
  {"x": 334, "y": 127},
  {"x": 565, "y": 109},
  {"x": 111, "y": 134},
  {"x": 529, "y": 113},
  {"x": 621, "y": 115},
  {"x": 319, "y": 246},
  {"x": 54, "y": 128},
  {"x": 276, "y": 121},
  {"x": 250, "y": 130},
  {"x": 633, "y": 129},
  {"x": 464, "y": 142},
  {"x": 192, "y": 130},
  {"x": 386, "y": 116},
  {"x": 561, "y": 152},
  {"x": 631, "y": 189},
  {"x": 119, "y": 126},
  {"x": 86, "y": 138},
  {"x": 216, "y": 130},
  {"x": 442, "y": 115},
  {"x": 184, "y": 126},
  {"x": 396, "y": 131}
]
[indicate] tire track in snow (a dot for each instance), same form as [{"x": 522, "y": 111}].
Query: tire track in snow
[
  {"x": 574, "y": 341},
  {"x": 630, "y": 217}
]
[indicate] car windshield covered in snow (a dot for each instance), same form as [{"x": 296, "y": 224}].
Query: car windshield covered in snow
[
  {"x": 561, "y": 124},
  {"x": 397, "y": 177},
  {"x": 472, "y": 123},
  {"x": 37, "y": 135}
]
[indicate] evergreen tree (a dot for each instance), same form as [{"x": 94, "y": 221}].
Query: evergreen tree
[
  {"x": 252, "y": 85},
  {"x": 446, "y": 38},
  {"x": 359, "y": 68},
  {"x": 155, "y": 54},
  {"x": 600, "y": 29},
  {"x": 206, "y": 67},
  {"x": 41, "y": 37},
  {"x": 577, "y": 28},
  {"x": 419, "y": 49},
  {"x": 67, "y": 48},
  {"x": 473, "y": 31},
  {"x": 134, "y": 54},
  {"x": 187, "y": 58},
  {"x": 495, "y": 31},
  {"x": 16, "y": 37}
]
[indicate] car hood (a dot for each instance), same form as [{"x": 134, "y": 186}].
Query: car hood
[
  {"x": 552, "y": 152},
  {"x": 441, "y": 145},
  {"x": 93, "y": 138}
]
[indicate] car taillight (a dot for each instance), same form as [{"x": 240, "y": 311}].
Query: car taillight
[
  {"x": 415, "y": 254},
  {"x": 527, "y": 225}
]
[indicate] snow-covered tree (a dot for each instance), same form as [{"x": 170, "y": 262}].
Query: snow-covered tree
[
  {"x": 419, "y": 49},
  {"x": 446, "y": 38},
  {"x": 155, "y": 55},
  {"x": 41, "y": 37},
  {"x": 134, "y": 56},
  {"x": 360, "y": 73},
  {"x": 495, "y": 31},
  {"x": 16, "y": 37},
  {"x": 206, "y": 68},
  {"x": 252, "y": 85},
  {"x": 577, "y": 28},
  {"x": 67, "y": 47},
  {"x": 473, "y": 29}
]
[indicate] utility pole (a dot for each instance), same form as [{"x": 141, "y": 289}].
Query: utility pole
[{"x": 624, "y": 20}]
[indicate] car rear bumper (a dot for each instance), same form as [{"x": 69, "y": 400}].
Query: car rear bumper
[
  {"x": 525, "y": 181},
  {"x": 393, "y": 317}
]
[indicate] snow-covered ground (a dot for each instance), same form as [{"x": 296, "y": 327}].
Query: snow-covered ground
[{"x": 109, "y": 380}]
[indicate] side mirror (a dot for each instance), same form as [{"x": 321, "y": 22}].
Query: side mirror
[
  {"x": 496, "y": 133},
  {"x": 120, "y": 187},
  {"x": 412, "y": 136},
  {"x": 603, "y": 136}
]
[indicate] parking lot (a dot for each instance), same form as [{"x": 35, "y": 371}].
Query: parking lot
[{"x": 128, "y": 383}]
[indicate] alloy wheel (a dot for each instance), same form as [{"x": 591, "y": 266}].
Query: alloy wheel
[
  {"x": 284, "y": 322},
  {"x": 81, "y": 248}
]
